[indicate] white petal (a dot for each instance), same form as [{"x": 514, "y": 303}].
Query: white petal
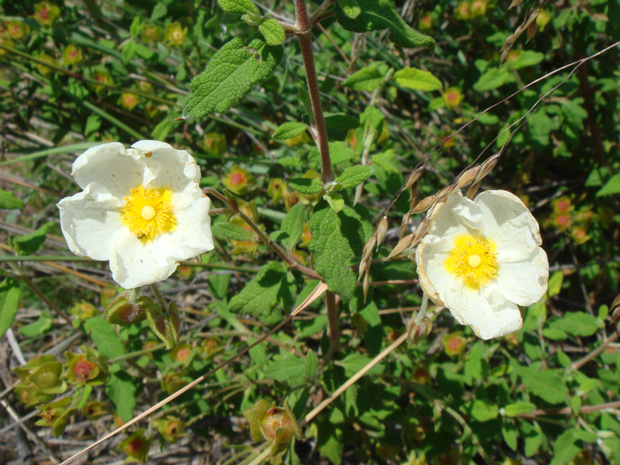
[
  {"x": 488, "y": 317},
  {"x": 509, "y": 223},
  {"x": 135, "y": 263},
  {"x": 525, "y": 282},
  {"x": 193, "y": 234},
  {"x": 457, "y": 211},
  {"x": 90, "y": 221},
  {"x": 109, "y": 165},
  {"x": 165, "y": 166}
]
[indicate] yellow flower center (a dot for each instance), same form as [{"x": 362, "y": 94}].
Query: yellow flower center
[
  {"x": 148, "y": 213},
  {"x": 473, "y": 260}
]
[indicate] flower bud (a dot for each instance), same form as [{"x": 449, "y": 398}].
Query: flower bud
[
  {"x": 175, "y": 34},
  {"x": 238, "y": 180},
  {"x": 18, "y": 30},
  {"x": 29, "y": 395},
  {"x": 274, "y": 424},
  {"x": 452, "y": 97},
  {"x": 151, "y": 33},
  {"x": 454, "y": 344},
  {"x": 128, "y": 100},
  {"x": 171, "y": 429},
  {"x": 214, "y": 143},
  {"x": 418, "y": 332},
  {"x": 46, "y": 14},
  {"x": 86, "y": 369},
  {"x": 210, "y": 347},
  {"x": 128, "y": 308},
  {"x": 82, "y": 311},
  {"x": 71, "y": 55},
  {"x": 165, "y": 324},
  {"x": 56, "y": 415},
  {"x": 136, "y": 447},
  {"x": 43, "y": 374}
]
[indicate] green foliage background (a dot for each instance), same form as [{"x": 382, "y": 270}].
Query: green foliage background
[{"x": 531, "y": 395}]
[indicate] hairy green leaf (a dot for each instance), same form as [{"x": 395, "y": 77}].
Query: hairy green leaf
[
  {"x": 9, "y": 300},
  {"x": 239, "y": 7},
  {"x": 382, "y": 14},
  {"x": 368, "y": 78},
  {"x": 351, "y": 8},
  {"x": 286, "y": 369},
  {"x": 481, "y": 410},
  {"x": 417, "y": 79},
  {"x": 492, "y": 79},
  {"x": 308, "y": 186},
  {"x": 353, "y": 176},
  {"x": 28, "y": 244},
  {"x": 260, "y": 295},
  {"x": 8, "y": 201},
  {"x": 341, "y": 121},
  {"x": 548, "y": 385},
  {"x": 234, "y": 232},
  {"x": 612, "y": 186},
  {"x": 519, "y": 408},
  {"x": 336, "y": 243},
  {"x": 272, "y": 32},
  {"x": 293, "y": 225},
  {"x": 289, "y": 130},
  {"x": 229, "y": 76},
  {"x": 108, "y": 343}
]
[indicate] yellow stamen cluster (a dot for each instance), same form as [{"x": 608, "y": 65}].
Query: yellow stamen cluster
[
  {"x": 473, "y": 260},
  {"x": 148, "y": 212}
]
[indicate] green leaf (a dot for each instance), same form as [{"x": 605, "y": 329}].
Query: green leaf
[
  {"x": 234, "y": 232},
  {"x": 121, "y": 390},
  {"x": 289, "y": 130},
  {"x": 350, "y": 8},
  {"x": 353, "y": 363},
  {"x": 382, "y": 14},
  {"x": 163, "y": 128},
  {"x": 308, "y": 186},
  {"x": 483, "y": 411},
  {"x": 272, "y": 32},
  {"x": 612, "y": 186},
  {"x": 238, "y": 7},
  {"x": 510, "y": 433},
  {"x": 129, "y": 50},
  {"x": 28, "y": 244},
  {"x": 293, "y": 225},
  {"x": 8, "y": 201},
  {"x": 353, "y": 176},
  {"x": 368, "y": 78},
  {"x": 564, "y": 448},
  {"x": 336, "y": 244},
  {"x": 417, "y": 79},
  {"x": 159, "y": 11},
  {"x": 519, "y": 408},
  {"x": 9, "y": 300},
  {"x": 43, "y": 324},
  {"x": 341, "y": 121},
  {"x": 286, "y": 369},
  {"x": 310, "y": 367},
  {"x": 339, "y": 152},
  {"x": 555, "y": 283},
  {"x": 526, "y": 58},
  {"x": 260, "y": 295},
  {"x": 492, "y": 79},
  {"x": 229, "y": 76},
  {"x": 576, "y": 324},
  {"x": 547, "y": 384},
  {"x": 109, "y": 344}
]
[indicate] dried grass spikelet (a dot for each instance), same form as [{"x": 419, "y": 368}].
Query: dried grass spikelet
[
  {"x": 382, "y": 228},
  {"x": 404, "y": 243},
  {"x": 421, "y": 230},
  {"x": 366, "y": 285},
  {"x": 362, "y": 269},
  {"x": 414, "y": 177},
  {"x": 487, "y": 167},
  {"x": 468, "y": 177},
  {"x": 404, "y": 224},
  {"x": 445, "y": 192},
  {"x": 424, "y": 204}
]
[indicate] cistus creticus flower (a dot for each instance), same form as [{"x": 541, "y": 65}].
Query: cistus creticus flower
[
  {"x": 141, "y": 208},
  {"x": 482, "y": 259}
]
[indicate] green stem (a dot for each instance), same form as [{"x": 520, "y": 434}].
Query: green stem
[{"x": 304, "y": 26}]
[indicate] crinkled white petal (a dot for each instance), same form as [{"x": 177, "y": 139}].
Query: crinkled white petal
[
  {"x": 165, "y": 166},
  {"x": 456, "y": 212},
  {"x": 524, "y": 282},
  {"x": 90, "y": 221},
  {"x": 194, "y": 237},
  {"x": 108, "y": 165},
  {"x": 489, "y": 317},
  {"x": 135, "y": 263}
]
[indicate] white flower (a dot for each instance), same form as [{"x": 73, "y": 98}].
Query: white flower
[
  {"x": 141, "y": 208},
  {"x": 482, "y": 259}
]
